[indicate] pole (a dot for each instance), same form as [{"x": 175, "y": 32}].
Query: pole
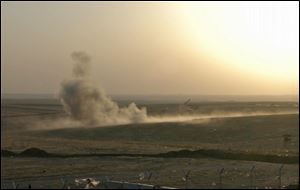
[
  {"x": 251, "y": 177},
  {"x": 220, "y": 178},
  {"x": 279, "y": 176}
]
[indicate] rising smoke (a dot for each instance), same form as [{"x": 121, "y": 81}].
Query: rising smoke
[{"x": 90, "y": 105}]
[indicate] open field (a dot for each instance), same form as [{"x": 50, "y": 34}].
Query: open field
[
  {"x": 251, "y": 134},
  {"x": 204, "y": 172},
  {"x": 160, "y": 95}
]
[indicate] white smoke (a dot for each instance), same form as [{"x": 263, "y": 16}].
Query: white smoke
[{"x": 86, "y": 103}]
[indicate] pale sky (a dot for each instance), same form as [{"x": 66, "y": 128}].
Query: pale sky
[{"x": 237, "y": 48}]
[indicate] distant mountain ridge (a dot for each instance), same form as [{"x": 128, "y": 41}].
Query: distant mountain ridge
[
  {"x": 172, "y": 98},
  {"x": 27, "y": 96}
]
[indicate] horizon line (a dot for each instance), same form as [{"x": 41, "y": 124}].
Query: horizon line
[{"x": 169, "y": 94}]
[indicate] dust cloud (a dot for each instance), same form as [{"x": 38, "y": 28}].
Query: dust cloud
[{"x": 86, "y": 103}]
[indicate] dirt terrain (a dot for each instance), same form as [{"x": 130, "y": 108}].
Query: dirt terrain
[{"x": 27, "y": 123}]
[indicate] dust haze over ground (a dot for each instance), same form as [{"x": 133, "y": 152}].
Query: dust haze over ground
[
  {"x": 64, "y": 123},
  {"x": 90, "y": 105},
  {"x": 217, "y": 126},
  {"x": 206, "y": 117}
]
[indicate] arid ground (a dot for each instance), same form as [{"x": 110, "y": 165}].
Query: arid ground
[{"x": 28, "y": 123}]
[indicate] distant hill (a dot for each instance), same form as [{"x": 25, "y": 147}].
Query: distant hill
[
  {"x": 172, "y": 98},
  {"x": 27, "y": 96}
]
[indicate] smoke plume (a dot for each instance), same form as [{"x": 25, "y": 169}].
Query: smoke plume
[{"x": 86, "y": 103}]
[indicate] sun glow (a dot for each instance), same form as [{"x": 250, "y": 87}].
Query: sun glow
[{"x": 261, "y": 38}]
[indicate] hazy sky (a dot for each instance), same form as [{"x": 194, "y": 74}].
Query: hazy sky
[{"x": 153, "y": 47}]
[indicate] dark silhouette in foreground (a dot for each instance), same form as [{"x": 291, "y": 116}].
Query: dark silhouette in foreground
[{"x": 201, "y": 153}]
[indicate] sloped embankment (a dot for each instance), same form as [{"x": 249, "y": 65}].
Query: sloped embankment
[{"x": 202, "y": 153}]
